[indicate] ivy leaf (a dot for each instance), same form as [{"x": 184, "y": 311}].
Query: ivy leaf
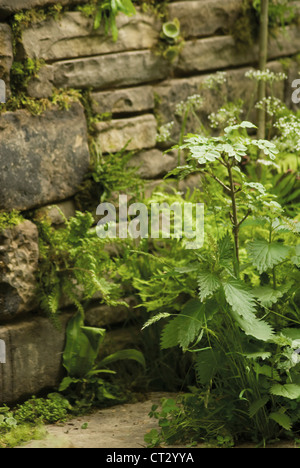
[
  {"x": 265, "y": 255},
  {"x": 208, "y": 283},
  {"x": 282, "y": 419}
]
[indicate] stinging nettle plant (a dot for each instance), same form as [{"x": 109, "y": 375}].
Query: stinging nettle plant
[{"x": 244, "y": 296}]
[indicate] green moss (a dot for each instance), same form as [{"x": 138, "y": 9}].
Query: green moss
[{"x": 8, "y": 220}]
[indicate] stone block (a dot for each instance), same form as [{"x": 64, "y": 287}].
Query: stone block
[
  {"x": 153, "y": 164},
  {"x": 111, "y": 70},
  {"x": 43, "y": 158},
  {"x": 199, "y": 18},
  {"x": 19, "y": 255},
  {"x": 73, "y": 36},
  {"x": 221, "y": 52},
  {"x": 34, "y": 350},
  {"x": 9, "y": 7},
  {"x": 124, "y": 101},
  {"x": 6, "y": 54},
  {"x": 140, "y": 132}
]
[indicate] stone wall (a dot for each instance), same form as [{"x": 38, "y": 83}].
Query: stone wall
[{"x": 44, "y": 158}]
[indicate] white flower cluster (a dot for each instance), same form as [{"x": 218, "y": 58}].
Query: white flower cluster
[
  {"x": 215, "y": 80},
  {"x": 227, "y": 115},
  {"x": 271, "y": 105},
  {"x": 265, "y": 75},
  {"x": 164, "y": 132},
  {"x": 192, "y": 103},
  {"x": 289, "y": 128}
]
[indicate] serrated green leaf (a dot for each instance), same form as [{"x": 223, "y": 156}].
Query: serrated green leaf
[
  {"x": 183, "y": 329},
  {"x": 208, "y": 283},
  {"x": 282, "y": 419},
  {"x": 291, "y": 391},
  {"x": 242, "y": 302},
  {"x": 267, "y": 296},
  {"x": 265, "y": 255},
  {"x": 257, "y": 405},
  {"x": 207, "y": 364}
]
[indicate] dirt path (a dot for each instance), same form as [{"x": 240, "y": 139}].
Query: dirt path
[
  {"x": 121, "y": 426},
  {"x": 117, "y": 427}
]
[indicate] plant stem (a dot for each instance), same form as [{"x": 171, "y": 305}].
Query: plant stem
[
  {"x": 263, "y": 57},
  {"x": 234, "y": 219}
]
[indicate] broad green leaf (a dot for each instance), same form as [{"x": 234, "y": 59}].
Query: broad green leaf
[
  {"x": 208, "y": 283},
  {"x": 207, "y": 364},
  {"x": 257, "y": 405},
  {"x": 183, "y": 329},
  {"x": 242, "y": 302},
  {"x": 296, "y": 257},
  {"x": 82, "y": 347},
  {"x": 282, "y": 419},
  {"x": 124, "y": 354},
  {"x": 291, "y": 391},
  {"x": 240, "y": 298},
  {"x": 267, "y": 296},
  {"x": 265, "y": 255}
]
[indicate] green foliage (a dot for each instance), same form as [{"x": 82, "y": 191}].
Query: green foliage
[
  {"x": 171, "y": 42},
  {"x": 83, "y": 381},
  {"x": 74, "y": 264},
  {"x": 105, "y": 12},
  {"x": 10, "y": 219},
  {"x": 246, "y": 280}
]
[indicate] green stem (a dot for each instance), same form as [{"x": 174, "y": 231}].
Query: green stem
[{"x": 234, "y": 220}]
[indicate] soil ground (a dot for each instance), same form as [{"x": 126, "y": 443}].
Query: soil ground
[{"x": 121, "y": 426}]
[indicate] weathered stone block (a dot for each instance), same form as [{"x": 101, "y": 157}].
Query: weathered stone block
[
  {"x": 124, "y": 101},
  {"x": 104, "y": 315},
  {"x": 43, "y": 158},
  {"x": 34, "y": 350},
  {"x": 109, "y": 71},
  {"x": 74, "y": 36},
  {"x": 204, "y": 18},
  {"x": 115, "y": 134},
  {"x": 221, "y": 52},
  {"x": 19, "y": 255},
  {"x": 153, "y": 163},
  {"x": 8, "y": 7},
  {"x": 6, "y": 54}
]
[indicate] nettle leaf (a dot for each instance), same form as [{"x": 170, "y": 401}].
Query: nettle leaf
[
  {"x": 296, "y": 258},
  {"x": 267, "y": 296},
  {"x": 183, "y": 329},
  {"x": 257, "y": 405},
  {"x": 242, "y": 302},
  {"x": 207, "y": 363},
  {"x": 282, "y": 419},
  {"x": 208, "y": 283},
  {"x": 291, "y": 391},
  {"x": 265, "y": 255}
]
